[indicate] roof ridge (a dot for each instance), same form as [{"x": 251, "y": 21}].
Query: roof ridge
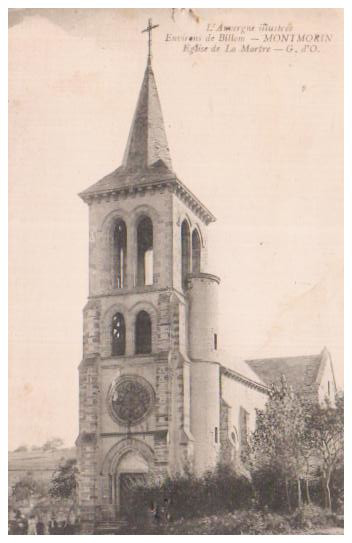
[{"x": 296, "y": 357}]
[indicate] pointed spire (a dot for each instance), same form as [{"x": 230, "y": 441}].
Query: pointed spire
[{"x": 147, "y": 142}]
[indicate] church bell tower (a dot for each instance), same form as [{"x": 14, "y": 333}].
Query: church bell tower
[{"x": 149, "y": 391}]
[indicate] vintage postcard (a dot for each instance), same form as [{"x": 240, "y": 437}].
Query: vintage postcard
[{"x": 176, "y": 271}]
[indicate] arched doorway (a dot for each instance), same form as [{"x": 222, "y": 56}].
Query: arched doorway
[
  {"x": 127, "y": 462},
  {"x": 131, "y": 470}
]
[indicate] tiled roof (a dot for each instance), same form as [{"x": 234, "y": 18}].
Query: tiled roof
[
  {"x": 125, "y": 177},
  {"x": 300, "y": 371},
  {"x": 147, "y": 142},
  {"x": 240, "y": 366}
]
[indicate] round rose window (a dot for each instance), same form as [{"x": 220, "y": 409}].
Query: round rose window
[{"x": 130, "y": 399}]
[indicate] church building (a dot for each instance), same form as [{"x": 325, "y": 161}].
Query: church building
[{"x": 154, "y": 391}]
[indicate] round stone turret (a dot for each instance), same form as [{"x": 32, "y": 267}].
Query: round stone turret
[{"x": 203, "y": 316}]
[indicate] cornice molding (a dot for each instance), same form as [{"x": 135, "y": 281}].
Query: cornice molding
[
  {"x": 232, "y": 374},
  {"x": 162, "y": 432},
  {"x": 137, "y": 290},
  {"x": 140, "y": 189}
]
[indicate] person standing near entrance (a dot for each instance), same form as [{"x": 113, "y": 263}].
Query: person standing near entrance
[
  {"x": 165, "y": 513},
  {"x": 154, "y": 513},
  {"x": 40, "y": 527},
  {"x": 151, "y": 514},
  {"x": 32, "y": 528}
]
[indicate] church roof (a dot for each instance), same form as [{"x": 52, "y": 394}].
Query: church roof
[
  {"x": 300, "y": 371},
  {"x": 238, "y": 365},
  {"x": 124, "y": 177},
  {"x": 147, "y": 142}
]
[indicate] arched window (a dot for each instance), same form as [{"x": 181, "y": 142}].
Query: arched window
[
  {"x": 145, "y": 252},
  {"x": 185, "y": 252},
  {"x": 143, "y": 333},
  {"x": 120, "y": 254},
  {"x": 244, "y": 426},
  {"x": 195, "y": 252},
  {"x": 118, "y": 335}
]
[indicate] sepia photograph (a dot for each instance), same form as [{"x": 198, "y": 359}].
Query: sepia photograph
[{"x": 176, "y": 271}]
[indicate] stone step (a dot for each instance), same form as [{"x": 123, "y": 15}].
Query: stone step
[{"x": 110, "y": 526}]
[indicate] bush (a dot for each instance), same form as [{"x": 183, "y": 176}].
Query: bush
[
  {"x": 310, "y": 515},
  {"x": 269, "y": 489},
  {"x": 27, "y": 487},
  {"x": 236, "y": 523},
  {"x": 255, "y": 523},
  {"x": 188, "y": 496},
  {"x": 242, "y": 522},
  {"x": 337, "y": 489}
]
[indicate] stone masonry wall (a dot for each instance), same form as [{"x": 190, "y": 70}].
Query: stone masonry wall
[{"x": 88, "y": 416}]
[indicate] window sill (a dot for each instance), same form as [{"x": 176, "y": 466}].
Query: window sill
[{"x": 138, "y": 288}]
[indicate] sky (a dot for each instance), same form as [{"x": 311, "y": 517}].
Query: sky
[{"x": 258, "y": 139}]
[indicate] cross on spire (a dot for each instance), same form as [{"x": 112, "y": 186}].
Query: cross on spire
[{"x": 149, "y": 29}]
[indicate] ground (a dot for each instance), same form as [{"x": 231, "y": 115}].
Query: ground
[{"x": 237, "y": 523}]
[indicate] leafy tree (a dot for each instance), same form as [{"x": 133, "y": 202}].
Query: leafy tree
[
  {"x": 21, "y": 448},
  {"x": 53, "y": 444},
  {"x": 278, "y": 444},
  {"x": 64, "y": 480},
  {"x": 27, "y": 487},
  {"x": 337, "y": 487},
  {"x": 324, "y": 425}
]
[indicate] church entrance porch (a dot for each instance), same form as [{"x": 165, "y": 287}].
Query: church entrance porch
[
  {"x": 126, "y": 465},
  {"x": 126, "y": 483},
  {"x": 131, "y": 471}
]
